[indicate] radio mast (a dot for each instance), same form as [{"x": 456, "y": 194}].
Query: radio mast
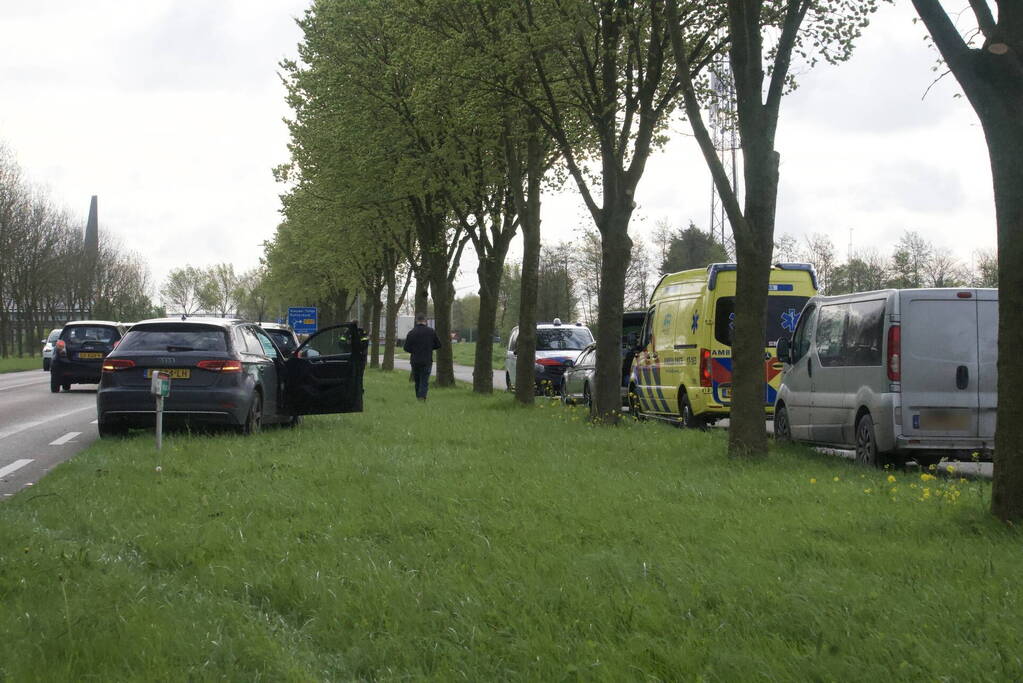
[{"x": 726, "y": 143}]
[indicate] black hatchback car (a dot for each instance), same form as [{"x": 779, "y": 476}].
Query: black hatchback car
[
  {"x": 79, "y": 351},
  {"x": 228, "y": 372}
]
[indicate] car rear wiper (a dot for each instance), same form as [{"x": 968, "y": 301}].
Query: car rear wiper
[{"x": 180, "y": 348}]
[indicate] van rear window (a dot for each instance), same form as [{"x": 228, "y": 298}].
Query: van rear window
[
  {"x": 782, "y": 315},
  {"x": 80, "y": 334},
  {"x": 171, "y": 337}
]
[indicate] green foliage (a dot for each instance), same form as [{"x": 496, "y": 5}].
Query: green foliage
[
  {"x": 352, "y": 549},
  {"x": 20, "y": 363},
  {"x": 692, "y": 248}
]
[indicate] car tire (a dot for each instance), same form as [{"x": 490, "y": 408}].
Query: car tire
[
  {"x": 782, "y": 428},
  {"x": 46, "y": 365},
  {"x": 565, "y": 400},
  {"x": 866, "y": 443},
  {"x": 634, "y": 406},
  {"x": 54, "y": 384},
  {"x": 66, "y": 386},
  {"x": 688, "y": 418},
  {"x": 109, "y": 430},
  {"x": 292, "y": 422},
  {"x": 254, "y": 418}
]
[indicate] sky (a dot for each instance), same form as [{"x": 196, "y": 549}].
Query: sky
[{"x": 171, "y": 111}]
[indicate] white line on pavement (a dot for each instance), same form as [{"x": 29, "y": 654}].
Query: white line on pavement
[
  {"x": 64, "y": 439},
  {"x": 26, "y": 384},
  {"x": 16, "y": 465},
  {"x": 29, "y": 425}
]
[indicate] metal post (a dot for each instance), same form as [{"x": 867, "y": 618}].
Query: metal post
[{"x": 159, "y": 422}]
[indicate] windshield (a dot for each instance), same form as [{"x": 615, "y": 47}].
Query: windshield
[
  {"x": 782, "y": 315},
  {"x": 54, "y": 334},
  {"x": 563, "y": 339},
  {"x": 171, "y": 337}
]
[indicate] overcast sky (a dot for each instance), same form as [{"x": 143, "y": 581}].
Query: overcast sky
[{"x": 170, "y": 111}]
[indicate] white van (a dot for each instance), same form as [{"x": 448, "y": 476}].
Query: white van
[{"x": 897, "y": 374}]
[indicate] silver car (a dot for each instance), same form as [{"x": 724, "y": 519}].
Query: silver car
[
  {"x": 896, "y": 374},
  {"x": 577, "y": 385},
  {"x": 48, "y": 343}
]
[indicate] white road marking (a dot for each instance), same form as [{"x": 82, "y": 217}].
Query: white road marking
[
  {"x": 94, "y": 422},
  {"x": 26, "y": 384},
  {"x": 64, "y": 439},
  {"x": 16, "y": 465},
  {"x": 29, "y": 425}
]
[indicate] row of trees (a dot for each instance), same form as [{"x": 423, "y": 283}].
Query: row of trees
[
  {"x": 218, "y": 290},
  {"x": 47, "y": 273},
  {"x": 422, "y": 129}
]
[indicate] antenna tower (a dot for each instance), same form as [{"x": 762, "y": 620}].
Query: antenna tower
[{"x": 726, "y": 142}]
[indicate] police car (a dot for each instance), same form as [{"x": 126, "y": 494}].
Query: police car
[{"x": 556, "y": 343}]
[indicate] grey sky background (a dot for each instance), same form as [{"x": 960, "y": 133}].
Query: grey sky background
[{"x": 170, "y": 111}]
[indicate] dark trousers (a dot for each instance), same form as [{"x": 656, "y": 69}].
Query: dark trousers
[{"x": 421, "y": 378}]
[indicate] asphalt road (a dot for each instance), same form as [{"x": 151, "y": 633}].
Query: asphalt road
[{"x": 38, "y": 429}]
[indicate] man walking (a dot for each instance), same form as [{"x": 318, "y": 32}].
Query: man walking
[{"x": 420, "y": 343}]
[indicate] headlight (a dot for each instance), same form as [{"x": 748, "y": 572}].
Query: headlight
[{"x": 538, "y": 368}]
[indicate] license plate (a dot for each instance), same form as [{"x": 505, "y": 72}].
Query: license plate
[
  {"x": 175, "y": 373},
  {"x": 90, "y": 354}
]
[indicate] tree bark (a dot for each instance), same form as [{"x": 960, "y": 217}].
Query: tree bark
[
  {"x": 615, "y": 247},
  {"x": 374, "y": 329},
  {"x": 391, "y": 320},
  {"x": 489, "y": 273},
  {"x": 528, "y": 207}
]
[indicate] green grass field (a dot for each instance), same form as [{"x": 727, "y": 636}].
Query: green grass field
[
  {"x": 464, "y": 353},
  {"x": 470, "y": 538},
  {"x": 19, "y": 363}
]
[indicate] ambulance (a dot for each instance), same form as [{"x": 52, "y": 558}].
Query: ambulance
[{"x": 683, "y": 367}]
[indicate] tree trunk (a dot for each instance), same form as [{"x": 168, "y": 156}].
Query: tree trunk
[
  {"x": 1004, "y": 133},
  {"x": 747, "y": 432},
  {"x": 615, "y": 247},
  {"x": 443, "y": 295},
  {"x": 390, "y": 324},
  {"x": 374, "y": 329},
  {"x": 422, "y": 298},
  {"x": 489, "y": 273}
]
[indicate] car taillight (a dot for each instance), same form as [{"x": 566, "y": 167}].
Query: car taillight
[
  {"x": 548, "y": 361},
  {"x": 61, "y": 347},
  {"x": 705, "y": 371},
  {"x": 115, "y": 364},
  {"x": 220, "y": 365},
  {"x": 894, "y": 360}
]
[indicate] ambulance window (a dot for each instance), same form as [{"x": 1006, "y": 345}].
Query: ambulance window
[
  {"x": 724, "y": 320},
  {"x": 648, "y": 326},
  {"x": 830, "y": 330}
]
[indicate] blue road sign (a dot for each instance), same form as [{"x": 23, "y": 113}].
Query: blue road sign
[{"x": 302, "y": 319}]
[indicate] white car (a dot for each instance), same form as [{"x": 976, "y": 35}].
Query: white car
[
  {"x": 555, "y": 344},
  {"x": 48, "y": 343}
]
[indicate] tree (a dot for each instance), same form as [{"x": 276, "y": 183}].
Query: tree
[
  {"x": 692, "y": 248},
  {"x": 555, "y": 286},
  {"x": 814, "y": 29},
  {"x": 985, "y": 272},
  {"x": 819, "y": 251},
  {"x": 182, "y": 290},
  {"x": 219, "y": 291},
  {"x": 991, "y": 76},
  {"x": 909, "y": 261},
  {"x": 864, "y": 272}
]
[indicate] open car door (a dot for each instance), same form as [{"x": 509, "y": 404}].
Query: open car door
[{"x": 325, "y": 373}]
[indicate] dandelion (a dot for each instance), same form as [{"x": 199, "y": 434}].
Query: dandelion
[
  {"x": 813, "y": 480},
  {"x": 926, "y": 477},
  {"x": 932, "y": 467},
  {"x": 927, "y": 494},
  {"x": 891, "y": 478},
  {"x": 868, "y": 491},
  {"x": 950, "y": 469},
  {"x": 836, "y": 479}
]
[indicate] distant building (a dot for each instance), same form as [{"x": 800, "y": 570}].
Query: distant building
[{"x": 92, "y": 229}]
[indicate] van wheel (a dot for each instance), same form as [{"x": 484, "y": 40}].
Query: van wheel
[
  {"x": 782, "y": 429},
  {"x": 689, "y": 419},
  {"x": 866, "y": 444},
  {"x": 634, "y": 407},
  {"x": 254, "y": 420}
]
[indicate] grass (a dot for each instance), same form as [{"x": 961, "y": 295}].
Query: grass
[
  {"x": 470, "y": 538},
  {"x": 464, "y": 353},
  {"x": 19, "y": 363}
]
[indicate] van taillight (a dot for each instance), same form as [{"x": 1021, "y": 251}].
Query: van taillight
[
  {"x": 220, "y": 365},
  {"x": 115, "y": 364},
  {"x": 705, "y": 374},
  {"x": 894, "y": 361}
]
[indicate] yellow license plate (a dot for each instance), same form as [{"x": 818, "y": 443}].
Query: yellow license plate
[
  {"x": 175, "y": 373},
  {"x": 90, "y": 354}
]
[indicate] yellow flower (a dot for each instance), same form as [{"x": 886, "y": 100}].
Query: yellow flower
[
  {"x": 926, "y": 477},
  {"x": 867, "y": 490},
  {"x": 836, "y": 479},
  {"x": 891, "y": 478},
  {"x": 932, "y": 467},
  {"x": 813, "y": 480},
  {"x": 927, "y": 493},
  {"x": 950, "y": 469}
]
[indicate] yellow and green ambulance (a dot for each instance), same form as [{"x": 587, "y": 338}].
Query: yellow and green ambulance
[{"x": 683, "y": 369}]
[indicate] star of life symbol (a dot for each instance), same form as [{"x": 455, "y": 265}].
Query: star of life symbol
[
  {"x": 789, "y": 319},
  {"x": 696, "y": 321},
  {"x": 731, "y": 321}
]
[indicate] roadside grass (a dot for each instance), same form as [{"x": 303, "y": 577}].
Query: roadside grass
[
  {"x": 464, "y": 353},
  {"x": 471, "y": 538},
  {"x": 19, "y": 363}
]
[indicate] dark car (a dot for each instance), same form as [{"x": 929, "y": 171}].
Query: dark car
[
  {"x": 283, "y": 335},
  {"x": 228, "y": 372},
  {"x": 579, "y": 377},
  {"x": 79, "y": 351}
]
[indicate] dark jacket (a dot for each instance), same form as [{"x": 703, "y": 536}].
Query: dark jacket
[{"x": 420, "y": 343}]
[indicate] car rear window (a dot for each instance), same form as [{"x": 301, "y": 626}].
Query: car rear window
[
  {"x": 563, "y": 339},
  {"x": 81, "y": 334},
  {"x": 171, "y": 337}
]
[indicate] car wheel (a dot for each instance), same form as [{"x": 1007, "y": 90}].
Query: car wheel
[
  {"x": 634, "y": 407},
  {"x": 46, "y": 365},
  {"x": 109, "y": 430},
  {"x": 66, "y": 386},
  {"x": 292, "y": 422},
  {"x": 782, "y": 429},
  {"x": 54, "y": 384},
  {"x": 254, "y": 420},
  {"x": 866, "y": 444},
  {"x": 689, "y": 419},
  {"x": 565, "y": 400}
]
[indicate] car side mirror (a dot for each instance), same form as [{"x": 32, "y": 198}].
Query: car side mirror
[
  {"x": 304, "y": 353},
  {"x": 785, "y": 351}
]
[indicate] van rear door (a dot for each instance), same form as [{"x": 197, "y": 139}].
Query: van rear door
[
  {"x": 940, "y": 368},
  {"x": 987, "y": 353}
]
